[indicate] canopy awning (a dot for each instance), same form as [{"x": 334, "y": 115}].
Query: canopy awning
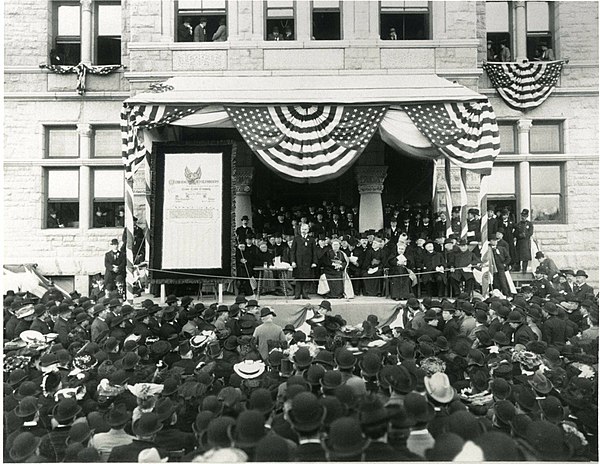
[{"x": 326, "y": 89}]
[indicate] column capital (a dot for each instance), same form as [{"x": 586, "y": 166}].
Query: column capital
[
  {"x": 519, "y": 4},
  {"x": 524, "y": 125},
  {"x": 370, "y": 178},
  {"x": 243, "y": 180},
  {"x": 84, "y": 130},
  {"x": 86, "y": 5}
]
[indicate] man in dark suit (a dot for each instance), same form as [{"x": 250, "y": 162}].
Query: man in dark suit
[
  {"x": 523, "y": 233},
  {"x": 114, "y": 264},
  {"x": 185, "y": 32},
  {"x": 304, "y": 260},
  {"x": 244, "y": 230},
  {"x": 393, "y": 232},
  {"x": 145, "y": 430},
  {"x": 492, "y": 221},
  {"x": 507, "y": 227},
  {"x": 501, "y": 261},
  {"x": 581, "y": 288},
  {"x": 200, "y": 31}
]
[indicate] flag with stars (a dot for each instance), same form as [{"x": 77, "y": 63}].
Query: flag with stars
[
  {"x": 466, "y": 133},
  {"x": 148, "y": 117},
  {"x": 524, "y": 86},
  {"x": 307, "y": 143}
]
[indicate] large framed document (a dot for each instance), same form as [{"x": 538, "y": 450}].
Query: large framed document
[{"x": 191, "y": 212}]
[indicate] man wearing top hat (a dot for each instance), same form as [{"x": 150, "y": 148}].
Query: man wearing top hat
[
  {"x": 473, "y": 225},
  {"x": 114, "y": 264},
  {"x": 507, "y": 227},
  {"x": 523, "y": 233}
]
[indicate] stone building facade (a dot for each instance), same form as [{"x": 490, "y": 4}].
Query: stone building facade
[{"x": 61, "y": 149}]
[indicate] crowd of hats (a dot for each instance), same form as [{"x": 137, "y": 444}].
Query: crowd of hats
[{"x": 377, "y": 390}]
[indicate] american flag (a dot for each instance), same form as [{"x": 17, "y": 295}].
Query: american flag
[
  {"x": 307, "y": 143},
  {"x": 524, "y": 85},
  {"x": 466, "y": 133},
  {"x": 134, "y": 117}
]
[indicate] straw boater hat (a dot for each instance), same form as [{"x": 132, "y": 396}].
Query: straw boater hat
[{"x": 249, "y": 369}]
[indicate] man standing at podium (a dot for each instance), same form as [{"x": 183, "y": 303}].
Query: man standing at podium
[{"x": 303, "y": 261}]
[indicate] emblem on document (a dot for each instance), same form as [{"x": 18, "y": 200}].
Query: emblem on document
[{"x": 193, "y": 177}]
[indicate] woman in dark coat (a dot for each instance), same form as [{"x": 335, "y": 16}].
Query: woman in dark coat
[
  {"x": 399, "y": 264},
  {"x": 334, "y": 265}
]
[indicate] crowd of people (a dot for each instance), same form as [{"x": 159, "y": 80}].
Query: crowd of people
[
  {"x": 416, "y": 251},
  {"x": 489, "y": 378}
]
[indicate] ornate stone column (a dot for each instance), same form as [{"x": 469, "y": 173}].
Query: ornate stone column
[
  {"x": 243, "y": 189},
  {"x": 524, "y": 198},
  {"x": 370, "y": 185},
  {"x": 86, "y": 31}
]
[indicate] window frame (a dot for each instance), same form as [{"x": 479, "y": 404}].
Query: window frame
[
  {"x": 511, "y": 27},
  {"x": 210, "y": 12},
  {"x": 50, "y": 127},
  {"x": 541, "y": 34},
  {"x": 294, "y": 18},
  {"x": 429, "y": 21},
  {"x": 94, "y": 199},
  {"x": 47, "y": 199},
  {"x": 562, "y": 166},
  {"x": 56, "y": 38},
  {"x": 326, "y": 10},
  {"x": 561, "y": 135},
  {"x": 103, "y": 126},
  {"x": 96, "y": 26},
  {"x": 513, "y": 124}
]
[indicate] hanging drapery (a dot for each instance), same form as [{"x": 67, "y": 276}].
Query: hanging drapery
[
  {"x": 82, "y": 70},
  {"x": 307, "y": 143},
  {"x": 524, "y": 86}
]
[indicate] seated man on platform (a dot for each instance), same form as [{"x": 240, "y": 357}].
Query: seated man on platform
[
  {"x": 399, "y": 264},
  {"x": 372, "y": 268},
  {"x": 461, "y": 265}
]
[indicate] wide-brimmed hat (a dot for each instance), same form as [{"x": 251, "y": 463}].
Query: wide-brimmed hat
[
  {"x": 117, "y": 415},
  {"x": 148, "y": 424},
  {"x": 306, "y": 414},
  {"x": 438, "y": 387},
  {"x": 66, "y": 409},
  {"x": 540, "y": 383},
  {"x": 345, "y": 438},
  {"x": 24, "y": 445},
  {"x": 249, "y": 369},
  {"x": 150, "y": 455},
  {"x": 266, "y": 311}
]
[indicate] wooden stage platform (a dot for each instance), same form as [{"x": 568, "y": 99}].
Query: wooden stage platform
[{"x": 354, "y": 311}]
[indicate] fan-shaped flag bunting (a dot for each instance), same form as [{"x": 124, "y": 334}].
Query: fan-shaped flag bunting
[
  {"x": 524, "y": 85},
  {"x": 307, "y": 143},
  {"x": 466, "y": 133}
]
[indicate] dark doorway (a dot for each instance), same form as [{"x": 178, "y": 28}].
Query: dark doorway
[
  {"x": 268, "y": 186},
  {"x": 408, "y": 179}
]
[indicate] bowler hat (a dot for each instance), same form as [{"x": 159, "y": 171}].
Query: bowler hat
[
  {"x": 413, "y": 303},
  {"x": 17, "y": 376},
  {"x": 505, "y": 411},
  {"x": 553, "y": 409},
  {"x": 217, "y": 432},
  {"x": 430, "y": 315},
  {"x": 249, "y": 429},
  {"x": 581, "y": 273},
  {"x": 28, "y": 406},
  {"x": 289, "y": 328},
  {"x": 261, "y": 400},
  {"x": 240, "y": 299},
  {"x": 148, "y": 424},
  {"x": 117, "y": 415},
  {"x": 441, "y": 343},
  {"x": 306, "y": 414},
  {"x": 519, "y": 425},
  {"x": 234, "y": 310},
  {"x": 344, "y": 359},
  {"x": 372, "y": 412},
  {"x": 464, "y": 424},
  {"x": 501, "y": 389},
  {"x": 418, "y": 408},
  {"x": 447, "y": 446},
  {"x": 345, "y": 438},
  {"x": 171, "y": 299},
  {"x": 272, "y": 448},
  {"x": 66, "y": 409},
  {"x": 314, "y": 374},
  {"x": 325, "y": 305},
  {"x": 498, "y": 446},
  {"x": 551, "y": 308},
  {"x": 27, "y": 388},
  {"x": 515, "y": 316},
  {"x": 302, "y": 357},
  {"x": 267, "y": 311},
  {"x": 331, "y": 379},
  {"x": 24, "y": 445},
  {"x": 539, "y": 255},
  {"x": 79, "y": 433},
  {"x": 500, "y": 338},
  {"x": 525, "y": 397},
  {"x": 548, "y": 441}
]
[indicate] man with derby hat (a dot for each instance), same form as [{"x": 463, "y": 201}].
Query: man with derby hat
[
  {"x": 244, "y": 230},
  {"x": 553, "y": 328},
  {"x": 114, "y": 264},
  {"x": 268, "y": 335},
  {"x": 521, "y": 333},
  {"x": 145, "y": 430},
  {"x": 40, "y": 319},
  {"x": 306, "y": 416},
  {"x": 523, "y": 234},
  {"x": 581, "y": 289},
  {"x": 116, "y": 418},
  {"x": 53, "y": 445}
]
